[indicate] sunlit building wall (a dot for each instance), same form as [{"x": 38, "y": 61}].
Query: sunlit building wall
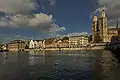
[{"x": 78, "y": 41}]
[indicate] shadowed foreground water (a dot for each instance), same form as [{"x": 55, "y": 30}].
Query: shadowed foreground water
[{"x": 64, "y": 65}]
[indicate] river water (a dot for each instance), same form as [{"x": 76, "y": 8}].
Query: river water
[{"x": 55, "y": 65}]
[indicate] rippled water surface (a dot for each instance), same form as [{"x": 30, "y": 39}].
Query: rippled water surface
[{"x": 54, "y": 65}]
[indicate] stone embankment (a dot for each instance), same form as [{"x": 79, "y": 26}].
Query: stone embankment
[
  {"x": 72, "y": 49},
  {"x": 114, "y": 47}
]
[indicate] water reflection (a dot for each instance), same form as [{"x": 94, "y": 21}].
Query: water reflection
[
  {"x": 63, "y": 65},
  {"x": 5, "y": 54},
  {"x": 106, "y": 65}
]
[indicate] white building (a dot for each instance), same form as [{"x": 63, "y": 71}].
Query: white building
[
  {"x": 31, "y": 44},
  {"x": 43, "y": 44},
  {"x": 36, "y": 44},
  {"x": 40, "y": 44}
]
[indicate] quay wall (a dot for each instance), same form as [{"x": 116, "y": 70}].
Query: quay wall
[
  {"x": 13, "y": 50},
  {"x": 60, "y": 49},
  {"x": 72, "y": 49}
]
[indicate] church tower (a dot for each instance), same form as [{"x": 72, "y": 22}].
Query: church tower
[
  {"x": 103, "y": 27},
  {"x": 94, "y": 28},
  {"x": 117, "y": 27}
]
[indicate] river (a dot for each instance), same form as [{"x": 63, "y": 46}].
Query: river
[{"x": 59, "y": 65}]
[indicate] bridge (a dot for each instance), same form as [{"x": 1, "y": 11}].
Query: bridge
[
  {"x": 115, "y": 48},
  {"x": 114, "y": 45}
]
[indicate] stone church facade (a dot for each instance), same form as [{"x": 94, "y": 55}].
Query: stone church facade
[{"x": 100, "y": 30}]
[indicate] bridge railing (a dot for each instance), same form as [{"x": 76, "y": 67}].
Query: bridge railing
[{"x": 114, "y": 43}]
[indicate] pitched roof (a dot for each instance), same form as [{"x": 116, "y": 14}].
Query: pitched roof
[{"x": 17, "y": 41}]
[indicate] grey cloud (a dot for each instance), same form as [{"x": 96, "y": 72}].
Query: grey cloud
[
  {"x": 112, "y": 10},
  {"x": 4, "y": 24},
  {"x": 52, "y": 2},
  {"x": 76, "y": 34},
  {"x": 25, "y": 6},
  {"x": 9, "y": 37},
  {"x": 16, "y": 15},
  {"x": 25, "y": 20},
  {"x": 56, "y": 28},
  {"x": 47, "y": 6},
  {"x": 17, "y": 6},
  {"x": 41, "y": 21}
]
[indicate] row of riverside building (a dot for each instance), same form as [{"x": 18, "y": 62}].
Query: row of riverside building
[{"x": 68, "y": 42}]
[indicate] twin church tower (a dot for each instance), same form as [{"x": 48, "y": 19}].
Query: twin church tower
[{"x": 100, "y": 30}]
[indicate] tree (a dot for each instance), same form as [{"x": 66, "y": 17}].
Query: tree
[
  {"x": 65, "y": 38},
  {"x": 90, "y": 38}
]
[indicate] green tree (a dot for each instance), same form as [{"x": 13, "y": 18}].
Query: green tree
[
  {"x": 65, "y": 38},
  {"x": 90, "y": 38}
]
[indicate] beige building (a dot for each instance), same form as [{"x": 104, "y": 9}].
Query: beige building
[
  {"x": 63, "y": 43},
  {"x": 56, "y": 43},
  {"x": 100, "y": 31},
  {"x": 50, "y": 43},
  {"x": 78, "y": 41},
  {"x": 113, "y": 32},
  {"x": 16, "y": 45}
]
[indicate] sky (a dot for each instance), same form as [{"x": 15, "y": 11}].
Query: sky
[{"x": 38, "y": 19}]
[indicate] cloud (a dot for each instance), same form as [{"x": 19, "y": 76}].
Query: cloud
[
  {"x": 19, "y": 20},
  {"x": 4, "y": 23},
  {"x": 112, "y": 6},
  {"x": 97, "y": 11},
  {"x": 40, "y": 21},
  {"x": 70, "y": 34},
  {"x": 17, "y": 6},
  {"x": 47, "y": 6},
  {"x": 19, "y": 37},
  {"x": 17, "y": 15},
  {"x": 4, "y": 38},
  {"x": 56, "y": 28},
  {"x": 25, "y": 6},
  {"x": 112, "y": 9},
  {"x": 52, "y": 2},
  {"x": 57, "y": 35},
  {"x": 76, "y": 34}
]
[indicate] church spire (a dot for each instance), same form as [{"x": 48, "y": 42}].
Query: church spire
[
  {"x": 103, "y": 13},
  {"x": 117, "y": 26}
]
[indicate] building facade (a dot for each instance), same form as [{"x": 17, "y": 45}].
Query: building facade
[
  {"x": 16, "y": 45},
  {"x": 36, "y": 44},
  {"x": 78, "y": 41},
  {"x": 100, "y": 30}
]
